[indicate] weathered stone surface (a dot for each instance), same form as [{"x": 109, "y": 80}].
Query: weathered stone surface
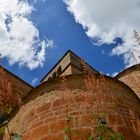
[
  {"x": 44, "y": 114},
  {"x": 131, "y": 77}
]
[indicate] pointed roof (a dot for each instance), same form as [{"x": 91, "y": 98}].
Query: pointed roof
[
  {"x": 69, "y": 64},
  {"x": 19, "y": 86},
  {"x": 15, "y": 76}
]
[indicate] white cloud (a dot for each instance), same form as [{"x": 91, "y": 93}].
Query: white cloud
[
  {"x": 36, "y": 1},
  {"x": 107, "y": 74},
  {"x": 19, "y": 38},
  {"x": 114, "y": 74},
  {"x": 106, "y": 20},
  {"x": 34, "y": 81}
]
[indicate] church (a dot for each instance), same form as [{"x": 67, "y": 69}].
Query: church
[{"x": 68, "y": 96}]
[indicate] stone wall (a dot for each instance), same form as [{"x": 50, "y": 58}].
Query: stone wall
[
  {"x": 131, "y": 77},
  {"x": 19, "y": 86},
  {"x": 43, "y": 115},
  {"x": 69, "y": 64},
  {"x": 62, "y": 65},
  {"x": 12, "y": 89}
]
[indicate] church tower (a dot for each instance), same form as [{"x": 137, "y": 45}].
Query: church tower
[{"x": 69, "y": 64}]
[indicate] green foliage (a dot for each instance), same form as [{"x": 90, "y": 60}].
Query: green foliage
[
  {"x": 90, "y": 138},
  {"x": 8, "y": 110},
  {"x": 2, "y": 129},
  {"x": 120, "y": 136},
  {"x": 107, "y": 133},
  {"x": 4, "y": 117},
  {"x": 67, "y": 130},
  {"x": 16, "y": 136},
  {"x": 4, "y": 124},
  {"x": 101, "y": 121},
  {"x": 4, "y": 120},
  {"x": 99, "y": 138}
]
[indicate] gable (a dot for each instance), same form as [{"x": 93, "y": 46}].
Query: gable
[
  {"x": 19, "y": 86},
  {"x": 69, "y": 64}
]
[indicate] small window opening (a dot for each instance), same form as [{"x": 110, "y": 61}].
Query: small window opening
[{"x": 59, "y": 70}]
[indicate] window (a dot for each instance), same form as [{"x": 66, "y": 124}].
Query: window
[{"x": 59, "y": 70}]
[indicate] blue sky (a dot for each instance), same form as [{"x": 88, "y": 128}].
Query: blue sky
[{"x": 65, "y": 29}]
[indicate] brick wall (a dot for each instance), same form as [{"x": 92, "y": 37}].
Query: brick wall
[{"x": 43, "y": 115}]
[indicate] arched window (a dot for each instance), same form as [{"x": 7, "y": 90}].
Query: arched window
[{"x": 59, "y": 70}]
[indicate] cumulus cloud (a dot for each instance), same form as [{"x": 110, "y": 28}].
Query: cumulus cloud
[
  {"x": 19, "y": 38},
  {"x": 106, "y": 20}
]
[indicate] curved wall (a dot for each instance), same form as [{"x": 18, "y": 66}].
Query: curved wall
[
  {"x": 43, "y": 116},
  {"x": 131, "y": 77}
]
